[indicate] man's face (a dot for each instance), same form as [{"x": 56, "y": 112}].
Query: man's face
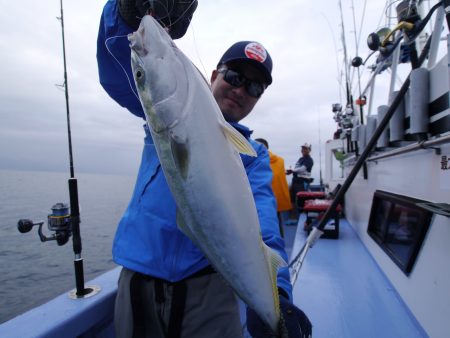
[
  {"x": 234, "y": 102},
  {"x": 305, "y": 151}
]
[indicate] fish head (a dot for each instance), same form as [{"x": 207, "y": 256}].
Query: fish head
[{"x": 159, "y": 73}]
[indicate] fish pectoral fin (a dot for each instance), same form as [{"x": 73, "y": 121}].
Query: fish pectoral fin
[
  {"x": 274, "y": 259},
  {"x": 239, "y": 142},
  {"x": 180, "y": 154}
]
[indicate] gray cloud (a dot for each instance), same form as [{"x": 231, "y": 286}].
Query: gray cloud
[{"x": 106, "y": 138}]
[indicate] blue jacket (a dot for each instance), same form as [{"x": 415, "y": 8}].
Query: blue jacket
[
  {"x": 147, "y": 239},
  {"x": 114, "y": 59}
]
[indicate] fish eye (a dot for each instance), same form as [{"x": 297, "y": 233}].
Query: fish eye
[{"x": 139, "y": 74}]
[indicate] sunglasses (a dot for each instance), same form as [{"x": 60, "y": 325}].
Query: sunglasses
[{"x": 236, "y": 79}]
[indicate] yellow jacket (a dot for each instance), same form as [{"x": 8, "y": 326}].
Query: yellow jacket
[{"x": 279, "y": 183}]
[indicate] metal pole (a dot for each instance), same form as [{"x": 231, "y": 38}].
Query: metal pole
[
  {"x": 394, "y": 66},
  {"x": 413, "y": 147},
  {"x": 435, "y": 40}
]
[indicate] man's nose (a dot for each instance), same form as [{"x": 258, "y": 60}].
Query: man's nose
[{"x": 240, "y": 91}]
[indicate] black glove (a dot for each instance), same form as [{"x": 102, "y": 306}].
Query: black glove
[
  {"x": 175, "y": 14},
  {"x": 293, "y": 324}
]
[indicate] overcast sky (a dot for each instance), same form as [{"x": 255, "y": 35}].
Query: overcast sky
[{"x": 303, "y": 38}]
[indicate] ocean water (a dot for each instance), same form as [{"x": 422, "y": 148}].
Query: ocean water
[{"x": 32, "y": 272}]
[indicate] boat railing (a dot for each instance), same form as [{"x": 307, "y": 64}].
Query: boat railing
[{"x": 430, "y": 144}]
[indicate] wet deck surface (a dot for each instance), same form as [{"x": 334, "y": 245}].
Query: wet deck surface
[{"x": 345, "y": 294}]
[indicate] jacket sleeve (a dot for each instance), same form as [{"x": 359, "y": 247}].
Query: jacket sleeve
[
  {"x": 300, "y": 170},
  {"x": 260, "y": 177},
  {"x": 114, "y": 59}
]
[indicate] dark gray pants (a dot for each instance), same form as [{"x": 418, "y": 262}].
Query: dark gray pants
[{"x": 210, "y": 310}]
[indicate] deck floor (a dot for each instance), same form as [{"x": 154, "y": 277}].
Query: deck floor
[{"x": 344, "y": 293}]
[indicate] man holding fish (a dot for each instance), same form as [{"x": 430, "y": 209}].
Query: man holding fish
[{"x": 201, "y": 225}]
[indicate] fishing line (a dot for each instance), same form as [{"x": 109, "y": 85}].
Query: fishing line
[
  {"x": 169, "y": 12},
  {"x": 182, "y": 14},
  {"x": 383, "y": 13},
  {"x": 123, "y": 68},
  {"x": 198, "y": 55},
  {"x": 336, "y": 52},
  {"x": 388, "y": 7},
  {"x": 362, "y": 22},
  {"x": 163, "y": 5},
  {"x": 125, "y": 36}
]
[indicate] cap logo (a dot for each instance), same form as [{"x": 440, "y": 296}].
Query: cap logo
[{"x": 256, "y": 52}]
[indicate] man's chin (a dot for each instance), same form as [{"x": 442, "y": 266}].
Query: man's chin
[
  {"x": 230, "y": 117},
  {"x": 230, "y": 112}
]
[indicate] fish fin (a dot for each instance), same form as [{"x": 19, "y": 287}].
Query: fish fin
[
  {"x": 275, "y": 262},
  {"x": 274, "y": 259},
  {"x": 185, "y": 229},
  {"x": 239, "y": 142},
  {"x": 180, "y": 154}
]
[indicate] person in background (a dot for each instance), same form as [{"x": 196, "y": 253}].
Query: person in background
[
  {"x": 280, "y": 185},
  {"x": 301, "y": 177},
  {"x": 167, "y": 288}
]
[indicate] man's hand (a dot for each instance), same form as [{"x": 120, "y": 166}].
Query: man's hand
[
  {"x": 294, "y": 323},
  {"x": 175, "y": 15},
  {"x": 289, "y": 171}
]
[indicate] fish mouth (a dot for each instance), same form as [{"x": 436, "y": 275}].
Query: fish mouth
[
  {"x": 136, "y": 42},
  {"x": 149, "y": 32}
]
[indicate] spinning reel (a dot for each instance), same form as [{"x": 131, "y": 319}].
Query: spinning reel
[{"x": 59, "y": 222}]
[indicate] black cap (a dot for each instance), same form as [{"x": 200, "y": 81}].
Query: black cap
[{"x": 253, "y": 52}]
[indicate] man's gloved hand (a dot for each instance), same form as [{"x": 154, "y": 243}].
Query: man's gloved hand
[
  {"x": 294, "y": 323},
  {"x": 176, "y": 15}
]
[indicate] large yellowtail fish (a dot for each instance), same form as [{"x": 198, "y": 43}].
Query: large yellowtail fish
[{"x": 198, "y": 151}]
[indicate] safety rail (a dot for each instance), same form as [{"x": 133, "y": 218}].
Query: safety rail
[{"x": 412, "y": 147}]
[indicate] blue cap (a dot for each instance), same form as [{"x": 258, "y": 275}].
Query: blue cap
[{"x": 253, "y": 52}]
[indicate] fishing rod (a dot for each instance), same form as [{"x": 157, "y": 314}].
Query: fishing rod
[
  {"x": 357, "y": 40},
  {"x": 349, "y": 108},
  {"x": 73, "y": 185},
  {"x": 344, "y": 45},
  {"x": 60, "y": 221},
  {"x": 315, "y": 234}
]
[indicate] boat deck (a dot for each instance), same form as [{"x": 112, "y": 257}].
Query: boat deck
[
  {"x": 344, "y": 293},
  {"x": 339, "y": 287}
]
